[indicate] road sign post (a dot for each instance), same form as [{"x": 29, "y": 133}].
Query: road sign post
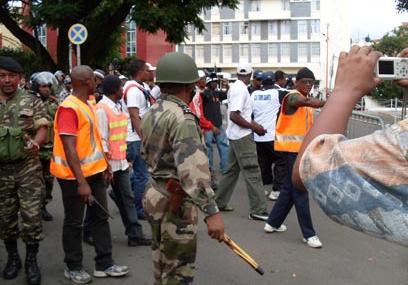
[{"x": 77, "y": 35}]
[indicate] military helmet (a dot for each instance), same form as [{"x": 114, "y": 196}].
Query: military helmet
[
  {"x": 176, "y": 67},
  {"x": 44, "y": 78}
]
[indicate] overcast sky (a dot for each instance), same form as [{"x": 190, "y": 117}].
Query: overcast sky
[{"x": 374, "y": 17}]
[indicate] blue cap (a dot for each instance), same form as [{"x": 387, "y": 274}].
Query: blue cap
[
  {"x": 268, "y": 78},
  {"x": 258, "y": 74}
]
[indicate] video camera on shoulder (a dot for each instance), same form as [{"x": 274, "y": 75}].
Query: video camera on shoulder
[{"x": 392, "y": 68}]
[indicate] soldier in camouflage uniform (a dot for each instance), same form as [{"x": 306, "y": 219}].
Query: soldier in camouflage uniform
[
  {"x": 173, "y": 149},
  {"x": 23, "y": 128},
  {"x": 45, "y": 84}
]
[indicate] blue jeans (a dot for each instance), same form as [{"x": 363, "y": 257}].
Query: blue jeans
[
  {"x": 290, "y": 196},
  {"x": 140, "y": 176},
  {"x": 222, "y": 145}
]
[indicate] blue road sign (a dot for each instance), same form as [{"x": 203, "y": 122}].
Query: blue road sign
[{"x": 77, "y": 34}]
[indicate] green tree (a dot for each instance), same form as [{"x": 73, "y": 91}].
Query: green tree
[
  {"x": 390, "y": 45},
  {"x": 402, "y": 5},
  {"x": 103, "y": 19}
]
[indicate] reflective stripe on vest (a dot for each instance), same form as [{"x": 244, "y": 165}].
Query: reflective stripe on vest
[
  {"x": 117, "y": 123},
  {"x": 89, "y": 146},
  {"x": 292, "y": 129}
]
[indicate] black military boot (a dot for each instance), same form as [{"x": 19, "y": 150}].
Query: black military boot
[
  {"x": 31, "y": 267},
  {"x": 46, "y": 216},
  {"x": 13, "y": 265}
]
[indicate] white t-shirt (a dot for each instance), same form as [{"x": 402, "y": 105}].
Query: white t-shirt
[
  {"x": 156, "y": 92},
  {"x": 135, "y": 99},
  {"x": 238, "y": 100},
  {"x": 265, "y": 110}
]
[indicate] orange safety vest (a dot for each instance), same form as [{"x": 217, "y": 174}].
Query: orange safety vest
[
  {"x": 88, "y": 147},
  {"x": 92, "y": 100},
  {"x": 292, "y": 129},
  {"x": 117, "y": 132}
]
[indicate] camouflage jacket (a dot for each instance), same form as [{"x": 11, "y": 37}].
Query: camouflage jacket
[
  {"x": 50, "y": 105},
  {"x": 31, "y": 112},
  {"x": 173, "y": 147}
]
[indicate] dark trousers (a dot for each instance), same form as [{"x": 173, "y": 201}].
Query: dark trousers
[
  {"x": 272, "y": 165},
  {"x": 72, "y": 229},
  {"x": 290, "y": 196},
  {"x": 125, "y": 201}
]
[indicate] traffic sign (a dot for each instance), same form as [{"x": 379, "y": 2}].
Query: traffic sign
[{"x": 77, "y": 34}]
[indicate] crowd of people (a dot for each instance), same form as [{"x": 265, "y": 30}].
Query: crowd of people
[{"x": 150, "y": 137}]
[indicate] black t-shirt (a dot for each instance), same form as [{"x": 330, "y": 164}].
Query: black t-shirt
[{"x": 211, "y": 106}]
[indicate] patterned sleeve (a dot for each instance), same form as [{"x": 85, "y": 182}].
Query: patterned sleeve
[
  {"x": 39, "y": 114},
  {"x": 362, "y": 183},
  {"x": 192, "y": 165}
]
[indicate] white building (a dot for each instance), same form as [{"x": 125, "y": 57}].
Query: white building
[{"x": 271, "y": 35}]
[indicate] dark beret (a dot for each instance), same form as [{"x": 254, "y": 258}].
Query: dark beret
[
  {"x": 10, "y": 64},
  {"x": 305, "y": 73}
]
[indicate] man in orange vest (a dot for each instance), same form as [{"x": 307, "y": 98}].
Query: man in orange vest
[
  {"x": 112, "y": 125},
  {"x": 79, "y": 164},
  {"x": 295, "y": 120}
]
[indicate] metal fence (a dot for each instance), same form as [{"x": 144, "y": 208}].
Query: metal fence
[{"x": 361, "y": 124}]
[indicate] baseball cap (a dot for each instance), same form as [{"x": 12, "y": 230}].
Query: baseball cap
[
  {"x": 150, "y": 67},
  {"x": 201, "y": 73},
  {"x": 258, "y": 74},
  {"x": 210, "y": 79},
  {"x": 268, "y": 78},
  {"x": 244, "y": 69}
]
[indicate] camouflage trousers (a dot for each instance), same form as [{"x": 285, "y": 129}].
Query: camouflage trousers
[
  {"x": 174, "y": 238},
  {"x": 48, "y": 181},
  {"x": 21, "y": 188}
]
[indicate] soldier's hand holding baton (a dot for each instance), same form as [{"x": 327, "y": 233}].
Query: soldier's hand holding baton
[{"x": 215, "y": 226}]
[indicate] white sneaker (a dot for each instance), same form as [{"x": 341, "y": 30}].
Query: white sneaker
[
  {"x": 274, "y": 195},
  {"x": 313, "y": 241},
  {"x": 269, "y": 229},
  {"x": 113, "y": 271}
]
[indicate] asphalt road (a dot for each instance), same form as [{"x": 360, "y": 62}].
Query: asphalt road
[{"x": 347, "y": 257}]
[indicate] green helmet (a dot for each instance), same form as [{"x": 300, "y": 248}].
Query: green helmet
[{"x": 176, "y": 67}]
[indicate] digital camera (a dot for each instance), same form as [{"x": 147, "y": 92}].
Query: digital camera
[{"x": 392, "y": 68}]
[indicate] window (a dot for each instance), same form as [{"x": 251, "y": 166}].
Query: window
[
  {"x": 227, "y": 29},
  {"x": 315, "y": 52},
  {"x": 255, "y": 5},
  {"x": 215, "y": 30},
  {"x": 255, "y": 53},
  {"x": 243, "y": 50},
  {"x": 188, "y": 50},
  {"x": 244, "y": 28},
  {"x": 285, "y": 29},
  {"x": 273, "y": 52},
  {"x": 255, "y": 29},
  {"x": 273, "y": 30},
  {"x": 227, "y": 54},
  {"x": 42, "y": 34},
  {"x": 130, "y": 38},
  {"x": 285, "y": 52},
  {"x": 315, "y": 27},
  {"x": 285, "y": 5},
  {"x": 302, "y": 52},
  {"x": 302, "y": 29},
  {"x": 199, "y": 53},
  {"x": 215, "y": 53},
  {"x": 316, "y": 5}
]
